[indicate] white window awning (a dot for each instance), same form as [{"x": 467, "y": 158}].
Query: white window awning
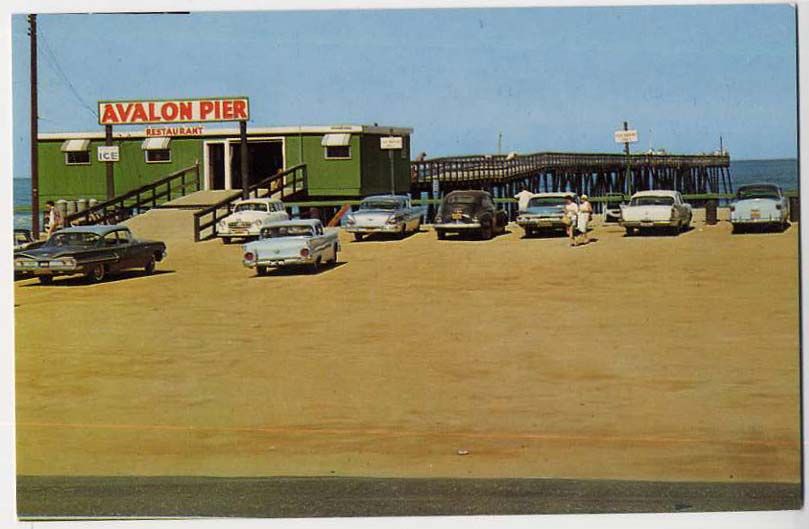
[
  {"x": 336, "y": 140},
  {"x": 154, "y": 144},
  {"x": 76, "y": 145}
]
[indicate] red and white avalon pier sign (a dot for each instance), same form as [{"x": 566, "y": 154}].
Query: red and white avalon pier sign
[{"x": 173, "y": 111}]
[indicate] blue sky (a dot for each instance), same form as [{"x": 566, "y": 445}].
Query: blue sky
[{"x": 549, "y": 78}]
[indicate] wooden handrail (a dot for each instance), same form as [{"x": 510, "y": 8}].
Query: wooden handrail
[
  {"x": 116, "y": 209},
  {"x": 258, "y": 190}
]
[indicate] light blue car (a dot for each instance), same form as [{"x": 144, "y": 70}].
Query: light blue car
[{"x": 759, "y": 205}]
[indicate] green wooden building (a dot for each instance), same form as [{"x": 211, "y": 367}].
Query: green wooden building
[{"x": 342, "y": 161}]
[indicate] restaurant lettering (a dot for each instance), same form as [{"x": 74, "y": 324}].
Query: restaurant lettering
[
  {"x": 173, "y": 111},
  {"x": 174, "y": 131}
]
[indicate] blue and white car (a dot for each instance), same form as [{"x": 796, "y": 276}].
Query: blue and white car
[
  {"x": 757, "y": 205},
  {"x": 292, "y": 243},
  {"x": 392, "y": 214},
  {"x": 545, "y": 211}
]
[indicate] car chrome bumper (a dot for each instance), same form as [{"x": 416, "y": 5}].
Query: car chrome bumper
[
  {"x": 240, "y": 233},
  {"x": 648, "y": 224},
  {"x": 450, "y": 226},
  {"x": 541, "y": 223},
  {"x": 387, "y": 228},
  {"x": 281, "y": 261},
  {"x": 756, "y": 221}
]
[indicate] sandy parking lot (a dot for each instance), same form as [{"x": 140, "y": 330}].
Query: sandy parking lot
[{"x": 659, "y": 358}]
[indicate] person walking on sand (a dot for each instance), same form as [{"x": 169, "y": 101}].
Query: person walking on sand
[
  {"x": 571, "y": 214},
  {"x": 585, "y": 213},
  {"x": 55, "y": 219}
]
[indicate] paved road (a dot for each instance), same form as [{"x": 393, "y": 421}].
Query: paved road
[{"x": 54, "y": 497}]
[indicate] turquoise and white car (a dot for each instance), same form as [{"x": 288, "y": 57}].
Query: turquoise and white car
[
  {"x": 292, "y": 243},
  {"x": 393, "y": 214},
  {"x": 545, "y": 211},
  {"x": 759, "y": 205}
]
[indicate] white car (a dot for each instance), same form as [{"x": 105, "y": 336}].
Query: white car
[
  {"x": 249, "y": 216},
  {"x": 656, "y": 209}
]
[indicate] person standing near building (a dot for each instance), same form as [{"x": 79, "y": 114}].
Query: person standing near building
[
  {"x": 571, "y": 215},
  {"x": 55, "y": 219},
  {"x": 585, "y": 213}
]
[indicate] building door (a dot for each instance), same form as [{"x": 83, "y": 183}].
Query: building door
[
  {"x": 216, "y": 165},
  {"x": 265, "y": 158}
]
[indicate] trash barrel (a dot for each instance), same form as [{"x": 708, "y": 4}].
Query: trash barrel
[
  {"x": 81, "y": 204},
  {"x": 61, "y": 204},
  {"x": 70, "y": 207},
  {"x": 794, "y": 209},
  {"x": 92, "y": 203},
  {"x": 710, "y": 211}
]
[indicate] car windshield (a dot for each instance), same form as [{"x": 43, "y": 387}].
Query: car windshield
[
  {"x": 462, "y": 199},
  {"x": 544, "y": 202},
  {"x": 287, "y": 231},
  {"x": 653, "y": 201},
  {"x": 251, "y": 206},
  {"x": 380, "y": 204},
  {"x": 757, "y": 192},
  {"x": 85, "y": 239}
]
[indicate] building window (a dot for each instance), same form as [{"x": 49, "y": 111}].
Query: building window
[
  {"x": 158, "y": 156},
  {"x": 77, "y": 158},
  {"x": 157, "y": 150},
  {"x": 338, "y": 152},
  {"x": 77, "y": 152}
]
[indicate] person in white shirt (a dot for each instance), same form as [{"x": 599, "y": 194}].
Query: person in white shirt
[
  {"x": 55, "y": 219},
  {"x": 523, "y": 197},
  {"x": 571, "y": 214},
  {"x": 585, "y": 213}
]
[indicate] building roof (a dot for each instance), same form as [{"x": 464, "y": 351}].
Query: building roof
[{"x": 233, "y": 131}]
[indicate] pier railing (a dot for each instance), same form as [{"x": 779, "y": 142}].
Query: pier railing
[
  {"x": 281, "y": 185},
  {"x": 131, "y": 203}
]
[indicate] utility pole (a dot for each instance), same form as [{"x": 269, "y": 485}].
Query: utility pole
[
  {"x": 500, "y": 142},
  {"x": 628, "y": 171},
  {"x": 32, "y": 31},
  {"x": 109, "y": 169}
]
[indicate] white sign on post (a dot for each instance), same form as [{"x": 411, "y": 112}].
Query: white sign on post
[
  {"x": 108, "y": 153},
  {"x": 626, "y": 136},
  {"x": 390, "y": 142}
]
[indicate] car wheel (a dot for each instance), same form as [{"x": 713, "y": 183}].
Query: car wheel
[
  {"x": 418, "y": 226},
  {"x": 97, "y": 274},
  {"x": 358, "y": 237},
  {"x": 225, "y": 240},
  {"x": 261, "y": 270},
  {"x": 486, "y": 232},
  {"x": 529, "y": 232},
  {"x": 403, "y": 233},
  {"x": 314, "y": 267},
  {"x": 630, "y": 232},
  {"x": 735, "y": 228},
  {"x": 46, "y": 280},
  {"x": 334, "y": 257},
  {"x": 440, "y": 234},
  {"x": 149, "y": 268}
]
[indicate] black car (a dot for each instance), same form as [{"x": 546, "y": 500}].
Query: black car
[
  {"x": 92, "y": 251},
  {"x": 469, "y": 211}
]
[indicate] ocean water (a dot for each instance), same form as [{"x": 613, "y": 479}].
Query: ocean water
[{"x": 781, "y": 172}]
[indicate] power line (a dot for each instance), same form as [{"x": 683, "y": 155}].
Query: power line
[{"x": 51, "y": 57}]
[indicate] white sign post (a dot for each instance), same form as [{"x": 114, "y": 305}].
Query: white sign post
[
  {"x": 390, "y": 142},
  {"x": 626, "y": 136},
  {"x": 108, "y": 153}
]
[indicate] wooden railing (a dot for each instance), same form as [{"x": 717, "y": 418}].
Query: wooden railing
[
  {"x": 138, "y": 200},
  {"x": 503, "y": 168},
  {"x": 284, "y": 184}
]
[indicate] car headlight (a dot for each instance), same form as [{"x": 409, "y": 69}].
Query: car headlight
[
  {"x": 223, "y": 224},
  {"x": 257, "y": 222},
  {"x": 394, "y": 219},
  {"x": 249, "y": 256},
  {"x": 438, "y": 219}
]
